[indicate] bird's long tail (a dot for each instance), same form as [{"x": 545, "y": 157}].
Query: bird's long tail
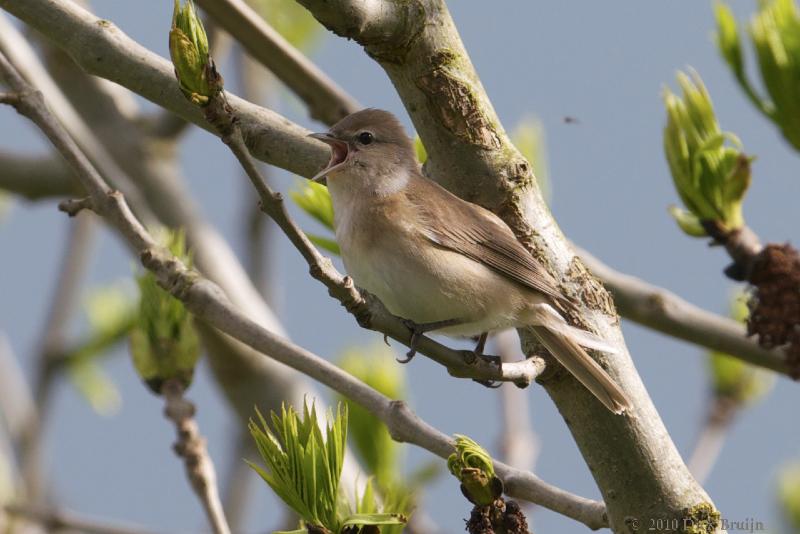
[{"x": 564, "y": 343}]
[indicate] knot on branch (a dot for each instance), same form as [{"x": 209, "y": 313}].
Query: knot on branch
[
  {"x": 171, "y": 274},
  {"x": 358, "y": 303},
  {"x": 402, "y": 420},
  {"x": 775, "y": 303},
  {"x": 74, "y": 206}
]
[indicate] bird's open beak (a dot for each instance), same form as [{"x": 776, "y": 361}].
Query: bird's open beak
[{"x": 339, "y": 153}]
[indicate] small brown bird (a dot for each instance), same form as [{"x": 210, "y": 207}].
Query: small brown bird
[{"x": 442, "y": 263}]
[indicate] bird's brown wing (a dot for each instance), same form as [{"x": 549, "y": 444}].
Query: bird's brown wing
[{"x": 481, "y": 236}]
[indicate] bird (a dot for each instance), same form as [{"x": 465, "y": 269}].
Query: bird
[{"x": 443, "y": 264}]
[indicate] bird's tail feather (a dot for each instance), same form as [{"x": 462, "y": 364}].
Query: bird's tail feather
[{"x": 564, "y": 343}]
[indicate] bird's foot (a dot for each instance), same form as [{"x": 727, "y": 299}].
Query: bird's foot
[{"x": 418, "y": 329}]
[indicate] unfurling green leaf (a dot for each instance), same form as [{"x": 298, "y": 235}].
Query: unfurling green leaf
[
  {"x": 291, "y": 20},
  {"x": 775, "y": 35},
  {"x": 419, "y": 149},
  {"x": 733, "y": 379},
  {"x": 709, "y": 170},
  {"x": 188, "y": 49},
  {"x": 164, "y": 343},
  {"x": 314, "y": 199},
  {"x": 303, "y": 466},
  {"x": 789, "y": 495},
  {"x": 472, "y": 465},
  {"x": 528, "y": 137},
  {"x": 111, "y": 314}
]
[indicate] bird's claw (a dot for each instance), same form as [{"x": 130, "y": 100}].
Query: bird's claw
[
  {"x": 412, "y": 344},
  {"x": 409, "y": 356},
  {"x": 491, "y": 384}
]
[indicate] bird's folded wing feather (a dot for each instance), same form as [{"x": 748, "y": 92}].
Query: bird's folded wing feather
[{"x": 481, "y": 236}]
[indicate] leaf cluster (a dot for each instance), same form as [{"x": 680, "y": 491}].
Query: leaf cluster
[
  {"x": 164, "y": 343},
  {"x": 775, "y": 36},
  {"x": 708, "y": 167},
  {"x": 304, "y": 467}
]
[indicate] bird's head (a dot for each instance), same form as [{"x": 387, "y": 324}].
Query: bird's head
[{"x": 370, "y": 142}]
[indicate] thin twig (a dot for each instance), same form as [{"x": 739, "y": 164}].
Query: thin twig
[
  {"x": 239, "y": 480},
  {"x": 257, "y": 85},
  {"x": 712, "y": 437},
  {"x": 16, "y": 399},
  {"x": 326, "y": 101},
  {"x": 191, "y": 447},
  {"x": 20, "y": 52},
  {"x": 367, "y": 310},
  {"x": 666, "y": 312},
  {"x": 519, "y": 445},
  {"x": 36, "y": 177},
  {"x": 208, "y": 303},
  {"x": 54, "y": 520},
  {"x": 74, "y": 262}
]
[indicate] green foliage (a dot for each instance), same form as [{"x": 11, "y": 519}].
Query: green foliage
[
  {"x": 419, "y": 149},
  {"x": 376, "y": 449},
  {"x": 291, "y": 20},
  {"x": 710, "y": 172},
  {"x": 188, "y": 48},
  {"x": 733, "y": 379},
  {"x": 789, "y": 495},
  {"x": 164, "y": 343},
  {"x": 473, "y": 467},
  {"x": 303, "y": 467},
  {"x": 111, "y": 314},
  {"x": 775, "y": 36},
  {"x": 528, "y": 137},
  {"x": 314, "y": 199}
]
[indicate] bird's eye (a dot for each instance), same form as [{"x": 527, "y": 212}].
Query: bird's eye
[{"x": 365, "y": 138}]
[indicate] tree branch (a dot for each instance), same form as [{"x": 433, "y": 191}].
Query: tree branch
[
  {"x": 326, "y": 101},
  {"x": 518, "y": 441},
  {"x": 57, "y": 520},
  {"x": 105, "y": 51},
  {"x": 191, "y": 447},
  {"x": 36, "y": 177},
  {"x": 657, "y": 308},
  {"x": 631, "y": 457},
  {"x": 208, "y": 303},
  {"x": 21, "y": 53}
]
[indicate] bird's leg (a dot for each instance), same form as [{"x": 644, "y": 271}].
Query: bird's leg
[
  {"x": 481, "y": 344},
  {"x": 417, "y": 330},
  {"x": 478, "y": 353}
]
